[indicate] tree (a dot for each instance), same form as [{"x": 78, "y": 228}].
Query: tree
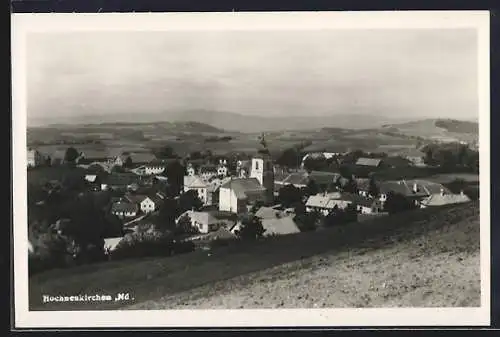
[
  {"x": 71, "y": 155},
  {"x": 289, "y": 158},
  {"x": 175, "y": 174},
  {"x": 307, "y": 221},
  {"x": 189, "y": 200},
  {"x": 251, "y": 228},
  {"x": 396, "y": 203},
  {"x": 373, "y": 188},
  {"x": 167, "y": 214},
  {"x": 165, "y": 152},
  {"x": 184, "y": 226},
  {"x": 128, "y": 162},
  {"x": 289, "y": 195}
]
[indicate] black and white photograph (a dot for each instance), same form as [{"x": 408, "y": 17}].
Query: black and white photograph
[{"x": 251, "y": 169}]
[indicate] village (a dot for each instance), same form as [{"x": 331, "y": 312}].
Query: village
[{"x": 203, "y": 201}]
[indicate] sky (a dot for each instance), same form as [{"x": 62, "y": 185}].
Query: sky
[{"x": 415, "y": 73}]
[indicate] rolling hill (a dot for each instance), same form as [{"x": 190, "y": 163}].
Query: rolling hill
[
  {"x": 230, "y": 121},
  {"x": 436, "y": 129}
]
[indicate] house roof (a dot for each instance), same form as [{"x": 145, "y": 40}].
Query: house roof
[
  {"x": 111, "y": 243},
  {"x": 445, "y": 199},
  {"x": 139, "y": 157},
  {"x": 135, "y": 198},
  {"x": 405, "y": 187},
  {"x": 241, "y": 186},
  {"x": 369, "y": 161},
  {"x": 155, "y": 198},
  {"x": 194, "y": 182},
  {"x": 122, "y": 206},
  {"x": 322, "y": 200},
  {"x": 323, "y": 177},
  {"x": 91, "y": 177},
  {"x": 208, "y": 168},
  {"x": 280, "y": 226},
  {"x": 205, "y": 218}
]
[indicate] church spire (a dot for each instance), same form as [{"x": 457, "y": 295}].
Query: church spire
[{"x": 264, "y": 149}]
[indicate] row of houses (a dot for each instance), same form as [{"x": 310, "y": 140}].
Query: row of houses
[
  {"x": 423, "y": 193},
  {"x": 411, "y": 156}
]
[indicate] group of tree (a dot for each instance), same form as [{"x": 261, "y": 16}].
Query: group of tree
[
  {"x": 452, "y": 156},
  {"x": 172, "y": 208},
  {"x": 397, "y": 203}
]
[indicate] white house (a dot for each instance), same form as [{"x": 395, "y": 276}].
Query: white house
[
  {"x": 441, "y": 199},
  {"x": 197, "y": 184},
  {"x": 204, "y": 221},
  {"x": 150, "y": 204},
  {"x": 236, "y": 194},
  {"x": 222, "y": 170},
  {"x": 34, "y": 158},
  {"x": 155, "y": 167}
]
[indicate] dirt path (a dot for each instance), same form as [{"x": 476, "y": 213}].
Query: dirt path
[{"x": 440, "y": 268}]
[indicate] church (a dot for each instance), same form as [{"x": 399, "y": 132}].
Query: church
[{"x": 238, "y": 194}]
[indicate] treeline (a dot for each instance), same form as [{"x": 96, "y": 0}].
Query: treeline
[{"x": 452, "y": 156}]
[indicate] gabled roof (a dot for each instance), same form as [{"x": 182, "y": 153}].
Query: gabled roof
[
  {"x": 241, "y": 186},
  {"x": 268, "y": 213},
  {"x": 280, "y": 226},
  {"x": 369, "y": 161},
  {"x": 121, "y": 206},
  {"x": 111, "y": 243},
  {"x": 194, "y": 182},
  {"x": 321, "y": 200},
  {"x": 135, "y": 198},
  {"x": 208, "y": 168},
  {"x": 205, "y": 218},
  {"x": 405, "y": 187},
  {"x": 156, "y": 199},
  {"x": 445, "y": 199}
]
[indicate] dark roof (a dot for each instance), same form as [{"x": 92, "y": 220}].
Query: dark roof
[
  {"x": 208, "y": 168},
  {"x": 124, "y": 207},
  {"x": 135, "y": 198},
  {"x": 242, "y": 186}
]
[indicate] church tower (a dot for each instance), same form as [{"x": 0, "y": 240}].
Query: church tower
[{"x": 262, "y": 169}]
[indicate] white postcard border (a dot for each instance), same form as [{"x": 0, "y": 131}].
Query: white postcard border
[{"x": 24, "y": 23}]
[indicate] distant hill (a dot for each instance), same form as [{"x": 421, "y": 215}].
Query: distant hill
[
  {"x": 233, "y": 121},
  {"x": 436, "y": 129}
]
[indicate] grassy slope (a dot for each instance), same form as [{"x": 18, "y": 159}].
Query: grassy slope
[
  {"x": 151, "y": 279},
  {"x": 437, "y": 269}
]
